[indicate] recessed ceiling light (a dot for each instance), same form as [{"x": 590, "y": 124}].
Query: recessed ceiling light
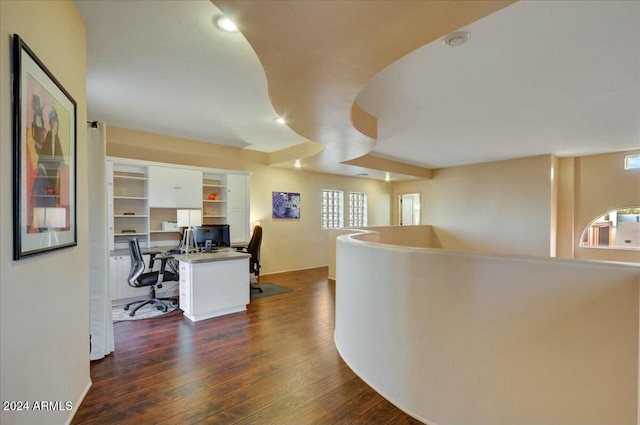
[
  {"x": 387, "y": 177},
  {"x": 297, "y": 164},
  {"x": 456, "y": 38},
  {"x": 279, "y": 120},
  {"x": 225, "y": 24}
]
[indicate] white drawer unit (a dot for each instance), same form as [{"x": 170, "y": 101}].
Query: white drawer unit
[{"x": 213, "y": 288}]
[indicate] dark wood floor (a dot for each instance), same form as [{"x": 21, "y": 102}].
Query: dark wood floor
[{"x": 276, "y": 363}]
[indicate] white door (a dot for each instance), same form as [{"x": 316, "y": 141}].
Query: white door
[{"x": 409, "y": 209}]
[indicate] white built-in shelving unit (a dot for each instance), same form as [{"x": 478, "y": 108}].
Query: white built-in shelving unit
[{"x": 143, "y": 198}]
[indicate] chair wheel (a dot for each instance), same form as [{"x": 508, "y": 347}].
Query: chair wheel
[
  {"x": 132, "y": 313},
  {"x": 126, "y": 307},
  {"x": 159, "y": 307},
  {"x": 174, "y": 302}
]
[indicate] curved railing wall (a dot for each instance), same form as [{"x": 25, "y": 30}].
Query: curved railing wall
[
  {"x": 461, "y": 338},
  {"x": 421, "y": 236}
]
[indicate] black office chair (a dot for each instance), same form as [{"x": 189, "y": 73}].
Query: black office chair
[
  {"x": 138, "y": 279},
  {"x": 254, "y": 249}
]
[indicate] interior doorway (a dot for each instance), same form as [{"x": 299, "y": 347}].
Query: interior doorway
[{"x": 409, "y": 209}]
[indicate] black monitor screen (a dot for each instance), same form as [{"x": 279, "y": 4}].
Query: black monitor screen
[{"x": 218, "y": 234}]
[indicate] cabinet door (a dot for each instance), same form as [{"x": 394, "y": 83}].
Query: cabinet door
[
  {"x": 162, "y": 187},
  {"x": 238, "y": 220},
  {"x": 237, "y": 191},
  {"x": 185, "y": 288},
  {"x": 113, "y": 278},
  {"x": 174, "y": 188},
  {"x": 189, "y": 192},
  {"x": 124, "y": 289}
]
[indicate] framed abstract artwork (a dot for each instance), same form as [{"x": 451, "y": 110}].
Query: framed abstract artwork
[
  {"x": 285, "y": 205},
  {"x": 44, "y": 157}
]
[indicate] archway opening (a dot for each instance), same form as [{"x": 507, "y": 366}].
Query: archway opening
[{"x": 616, "y": 229}]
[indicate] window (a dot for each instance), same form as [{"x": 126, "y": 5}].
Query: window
[
  {"x": 632, "y": 162},
  {"x": 357, "y": 209},
  {"x": 331, "y": 208},
  {"x": 617, "y": 229}
]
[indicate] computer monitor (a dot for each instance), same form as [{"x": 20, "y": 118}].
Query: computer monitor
[{"x": 218, "y": 234}]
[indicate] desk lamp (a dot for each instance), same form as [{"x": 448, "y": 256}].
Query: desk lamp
[
  {"x": 189, "y": 218},
  {"x": 50, "y": 219}
]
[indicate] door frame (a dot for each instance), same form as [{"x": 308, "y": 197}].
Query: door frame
[{"x": 414, "y": 195}]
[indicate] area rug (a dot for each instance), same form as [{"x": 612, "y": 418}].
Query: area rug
[
  {"x": 268, "y": 289},
  {"x": 149, "y": 311}
]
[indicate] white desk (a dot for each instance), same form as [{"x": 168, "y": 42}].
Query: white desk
[{"x": 213, "y": 284}]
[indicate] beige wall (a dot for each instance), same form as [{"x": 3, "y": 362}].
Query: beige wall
[
  {"x": 601, "y": 185},
  {"x": 286, "y": 244},
  {"x": 289, "y": 245},
  {"x": 495, "y": 207},
  {"x": 44, "y": 336},
  {"x": 514, "y": 207}
]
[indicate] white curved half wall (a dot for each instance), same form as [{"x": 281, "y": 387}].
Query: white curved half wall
[{"x": 461, "y": 338}]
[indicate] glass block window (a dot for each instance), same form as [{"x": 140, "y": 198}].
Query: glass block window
[
  {"x": 632, "y": 162},
  {"x": 357, "y": 209},
  {"x": 331, "y": 208}
]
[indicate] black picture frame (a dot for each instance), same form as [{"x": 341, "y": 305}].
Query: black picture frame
[{"x": 44, "y": 157}]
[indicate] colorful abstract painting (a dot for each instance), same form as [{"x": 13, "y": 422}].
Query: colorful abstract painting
[{"x": 44, "y": 131}]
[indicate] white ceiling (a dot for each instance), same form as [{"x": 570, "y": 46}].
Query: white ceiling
[
  {"x": 536, "y": 77},
  {"x": 560, "y": 77},
  {"x": 164, "y": 67}
]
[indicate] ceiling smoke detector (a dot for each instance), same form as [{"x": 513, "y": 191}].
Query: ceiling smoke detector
[{"x": 456, "y": 38}]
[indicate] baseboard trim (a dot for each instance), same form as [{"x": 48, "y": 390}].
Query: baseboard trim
[
  {"x": 294, "y": 270},
  {"x": 76, "y": 405}
]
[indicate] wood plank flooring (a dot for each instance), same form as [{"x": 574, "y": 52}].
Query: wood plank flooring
[{"x": 276, "y": 363}]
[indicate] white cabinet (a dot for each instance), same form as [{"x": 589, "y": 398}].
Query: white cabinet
[
  {"x": 174, "y": 187},
  {"x": 237, "y": 191},
  {"x": 238, "y": 226},
  {"x": 119, "y": 288},
  {"x": 214, "y": 288},
  {"x": 238, "y": 207},
  {"x": 115, "y": 275},
  {"x": 142, "y": 195}
]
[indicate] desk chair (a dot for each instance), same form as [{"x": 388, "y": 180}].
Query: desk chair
[
  {"x": 254, "y": 249},
  {"x": 138, "y": 279}
]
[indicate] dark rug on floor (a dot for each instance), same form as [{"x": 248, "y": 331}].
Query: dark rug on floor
[
  {"x": 147, "y": 312},
  {"x": 268, "y": 289}
]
